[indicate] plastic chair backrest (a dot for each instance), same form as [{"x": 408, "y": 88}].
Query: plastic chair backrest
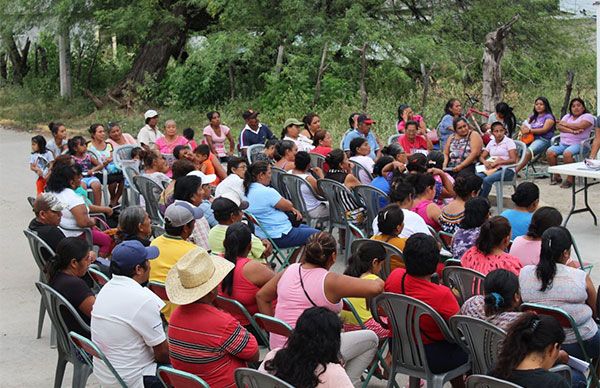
[
  {"x": 361, "y": 173},
  {"x": 272, "y": 325},
  {"x": 100, "y": 278},
  {"x": 348, "y": 306},
  {"x": 404, "y": 314},
  {"x": 88, "y": 348},
  {"x": 253, "y": 150},
  {"x": 251, "y": 378},
  {"x": 393, "y": 139},
  {"x": 31, "y": 200},
  {"x": 446, "y": 239},
  {"x": 391, "y": 252},
  {"x": 159, "y": 289},
  {"x": 151, "y": 191},
  {"x": 370, "y": 197},
  {"x": 317, "y": 160},
  {"x": 122, "y": 153},
  {"x": 39, "y": 249},
  {"x": 293, "y": 184},
  {"x": 466, "y": 281},
  {"x": 482, "y": 381},
  {"x": 332, "y": 191},
  {"x": 175, "y": 378},
  {"x": 276, "y": 174},
  {"x": 480, "y": 339},
  {"x": 235, "y": 308},
  {"x": 57, "y": 306}
]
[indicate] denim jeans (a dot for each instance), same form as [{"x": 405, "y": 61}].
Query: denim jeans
[{"x": 488, "y": 181}]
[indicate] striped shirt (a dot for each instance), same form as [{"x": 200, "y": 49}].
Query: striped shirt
[{"x": 209, "y": 343}]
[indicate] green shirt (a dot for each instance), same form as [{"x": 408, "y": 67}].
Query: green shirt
[{"x": 216, "y": 236}]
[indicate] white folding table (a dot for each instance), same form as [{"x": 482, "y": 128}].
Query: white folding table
[{"x": 578, "y": 170}]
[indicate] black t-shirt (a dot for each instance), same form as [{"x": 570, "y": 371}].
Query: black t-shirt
[
  {"x": 75, "y": 290},
  {"x": 535, "y": 378},
  {"x": 51, "y": 235}
]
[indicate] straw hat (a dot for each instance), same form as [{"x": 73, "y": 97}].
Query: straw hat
[{"x": 195, "y": 275}]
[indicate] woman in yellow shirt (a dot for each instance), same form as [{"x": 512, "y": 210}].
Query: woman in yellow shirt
[{"x": 390, "y": 222}]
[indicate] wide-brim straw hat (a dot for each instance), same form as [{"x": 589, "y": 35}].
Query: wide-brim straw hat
[{"x": 195, "y": 275}]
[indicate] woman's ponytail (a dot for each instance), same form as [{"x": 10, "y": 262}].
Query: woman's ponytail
[{"x": 555, "y": 241}]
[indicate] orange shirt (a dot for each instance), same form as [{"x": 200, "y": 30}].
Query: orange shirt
[{"x": 208, "y": 169}]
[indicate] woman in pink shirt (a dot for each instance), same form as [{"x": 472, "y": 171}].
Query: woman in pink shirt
[
  {"x": 248, "y": 276},
  {"x": 489, "y": 252},
  {"x": 406, "y": 114},
  {"x": 574, "y": 128},
  {"x": 500, "y": 151},
  {"x": 170, "y": 139},
  {"x": 311, "y": 284},
  {"x": 423, "y": 205},
  {"x": 117, "y": 138},
  {"x": 215, "y": 134}
]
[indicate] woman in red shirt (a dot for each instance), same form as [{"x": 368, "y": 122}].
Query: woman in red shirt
[
  {"x": 421, "y": 256},
  {"x": 322, "y": 141},
  {"x": 248, "y": 276},
  {"x": 411, "y": 142}
]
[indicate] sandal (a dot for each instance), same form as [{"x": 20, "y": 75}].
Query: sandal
[
  {"x": 566, "y": 185},
  {"x": 555, "y": 181}
]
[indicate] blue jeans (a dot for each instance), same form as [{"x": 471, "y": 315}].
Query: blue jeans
[
  {"x": 295, "y": 237},
  {"x": 488, "y": 181},
  {"x": 539, "y": 145},
  {"x": 560, "y": 149}
]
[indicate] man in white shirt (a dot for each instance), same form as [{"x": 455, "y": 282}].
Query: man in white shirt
[
  {"x": 126, "y": 322},
  {"x": 149, "y": 132}
]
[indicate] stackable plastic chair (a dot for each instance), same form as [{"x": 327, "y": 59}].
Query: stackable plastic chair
[
  {"x": 370, "y": 197},
  {"x": 57, "y": 305},
  {"x": 130, "y": 171},
  {"x": 151, "y": 191},
  {"x": 87, "y": 348},
  {"x": 253, "y": 150},
  {"x": 521, "y": 153},
  {"x": 567, "y": 322},
  {"x": 480, "y": 339},
  {"x": 292, "y": 185},
  {"x": 276, "y": 174},
  {"x": 280, "y": 256},
  {"x": 159, "y": 289},
  {"x": 361, "y": 173},
  {"x": 333, "y": 192},
  {"x": 122, "y": 153},
  {"x": 408, "y": 351},
  {"x": 272, "y": 325},
  {"x": 390, "y": 252},
  {"x": 234, "y": 308},
  {"x": 393, "y": 139},
  {"x": 317, "y": 160},
  {"x": 380, "y": 350},
  {"x": 482, "y": 381},
  {"x": 175, "y": 378},
  {"x": 99, "y": 278},
  {"x": 251, "y": 378},
  {"x": 465, "y": 281},
  {"x": 104, "y": 180}
]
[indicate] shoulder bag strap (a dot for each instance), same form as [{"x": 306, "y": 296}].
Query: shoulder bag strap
[{"x": 304, "y": 289}]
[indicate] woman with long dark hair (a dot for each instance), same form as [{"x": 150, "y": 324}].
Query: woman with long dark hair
[
  {"x": 504, "y": 114},
  {"x": 540, "y": 127},
  {"x": 311, "y": 356},
  {"x": 248, "y": 276},
  {"x": 65, "y": 272},
  {"x": 531, "y": 347},
  {"x": 312, "y": 124},
  {"x": 477, "y": 211},
  {"x": 555, "y": 284},
  {"x": 489, "y": 252},
  {"x": 452, "y": 111},
  {"x": 574, "y": 127},
  {"x": 527, "y": 247},
  {"x": 462, "y": 148}
]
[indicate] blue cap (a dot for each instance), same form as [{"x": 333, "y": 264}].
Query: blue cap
[{"x": 130, "y": 253}]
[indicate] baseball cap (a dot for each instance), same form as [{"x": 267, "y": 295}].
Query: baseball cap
[
  {"x": 47, "y": 201},
  {"x": 289, "y": 122},
  {"x": 180, "y": 213},
  {"x": 249, "y": 114},
  {"x": 206, "y": 179},
  {"x": 130, "y": 253},
  {"x": 365, "y": 119},
  {"x": 150, "y": 113}
]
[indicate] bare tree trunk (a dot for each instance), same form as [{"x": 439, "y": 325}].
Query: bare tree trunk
[
  {"x": 322, "y": 68},
  {"x": 3, "y": 66},
  {"x": 426, "y": 77},
  {"x": 36, "y": 62},
  {"x": 114, "y": 48},
  {"x": 18, "y": 58},
  {"x": 568, "y": 90},
  {"x": 492, "y": 58},
  {"x": 279, "y": 61},
  {"x": 231, "y": 82},
  {"x": 64, "y": 62},
  {"x": 364, "y": 97},
  {"x": 43, "y": 60}
]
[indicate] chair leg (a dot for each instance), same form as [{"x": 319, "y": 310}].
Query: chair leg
[
  {"x": 81, "y": 372},
  {"x": 52, "y": 337},
  {"x": 61, "y": 364},
  {"x": 41, "y": 317},
  {"x": 415, "y": 382},
  {"x": 499, "y": 197}
]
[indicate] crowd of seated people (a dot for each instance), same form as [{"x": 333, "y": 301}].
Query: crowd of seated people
[{"x": 224, "y": 221}]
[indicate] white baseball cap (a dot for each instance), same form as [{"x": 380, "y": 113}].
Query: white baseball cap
[
  {"x": 150, "y": 113},
  {"x": 206, "y": 179}
]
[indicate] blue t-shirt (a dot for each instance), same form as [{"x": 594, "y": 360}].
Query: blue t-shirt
[
  {"x": 208, "y": 213},
  {"x": 445, "y": 129},
  {"x": 248, "y": 137},
  {"x": 382, "y": 184},
  {"x": 371, "y": 139},
  {"x": 262, "y": 201},
  {"x": 519, "y": 221}
]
